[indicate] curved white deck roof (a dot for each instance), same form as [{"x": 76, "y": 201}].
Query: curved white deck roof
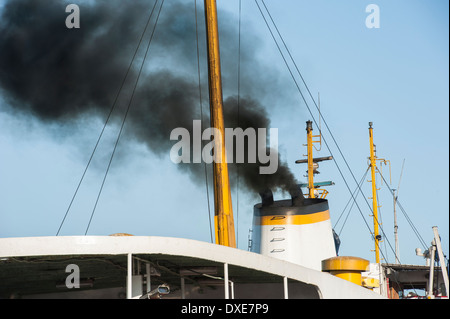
[{"x": 328, "y": 285}]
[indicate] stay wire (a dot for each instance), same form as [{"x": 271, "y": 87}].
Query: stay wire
[
  {"x": 381, "y": 228},
  {"x": 350, "y": 199},
  {"x": 412, "y": 226},
  {"x": 351, "y": 207},
  {"x": 202, "y": 120},
  {"x": 321, "y": 116},
  {"x": 310, "y": 112},
  {"x": 316, "y": 105},
  {"x": 124, "y": 119},
  {"x": 408, "y": 219},
  {"x": 380, "y": 215},
  {"x": 107, "y": 120},
  {"x": 309, "y": 109}
]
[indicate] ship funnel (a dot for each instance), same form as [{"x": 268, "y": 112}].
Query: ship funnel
[{"x": 297, "y": 230}]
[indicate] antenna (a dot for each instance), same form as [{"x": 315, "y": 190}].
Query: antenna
[
  {"x": 397, "y": 252},
  {"x": 320, "y": 125}
]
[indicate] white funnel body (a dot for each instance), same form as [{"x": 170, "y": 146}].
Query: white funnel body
[{"x": 299, "y": 234}]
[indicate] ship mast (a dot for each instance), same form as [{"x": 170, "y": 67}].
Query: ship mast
[
  {"x": 373, "y": 166},
  {"x": 313, "y": 188},
  {"x": 309, "y": 130},
  {"x": 223, "y": 210}
]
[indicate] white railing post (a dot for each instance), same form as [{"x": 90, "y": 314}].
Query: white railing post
[
  {"x": 129, "y": 275},
  {"x": 285, "y": 285},
  {"x": 225, "y": 270}
]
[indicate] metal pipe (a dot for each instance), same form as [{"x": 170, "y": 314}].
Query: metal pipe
[
  {"x": 437, "y": 240},
  {"x": 232, "y": 289},
  {"x": 183, "y": 288},
  {"x": 148, "y": 277},
  {"x": 397, "y": 258},
  {"x": 430, "y": 281}
]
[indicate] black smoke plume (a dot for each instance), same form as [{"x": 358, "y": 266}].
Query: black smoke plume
[{"x": 58, "y": 74}]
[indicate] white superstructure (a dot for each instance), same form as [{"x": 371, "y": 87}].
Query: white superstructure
[{"x": 192, "y": 269}]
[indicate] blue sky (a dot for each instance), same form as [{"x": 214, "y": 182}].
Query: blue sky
[{"x": 395, "y": 76}]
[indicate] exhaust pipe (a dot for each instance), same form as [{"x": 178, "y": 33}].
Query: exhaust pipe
[
  {"x": 298, "y": 199},
  {"x": 266, "y": 197}
]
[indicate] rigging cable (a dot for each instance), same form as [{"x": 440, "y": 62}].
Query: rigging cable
[
  {"x": 381, "y": 219},
  {"x": 351, "y": 207},
  {"x": 395, "y": 254},
  {"x": 201, "y": 117},
  {"x": 309, "y": 109},
  {"x": 321, "y": 116},
  {"x": 408, "y": 219},
  {"x": 107, "y": 119},
  {"x": 125, "y": 117},
  {"x": 315, "y": 103}
]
